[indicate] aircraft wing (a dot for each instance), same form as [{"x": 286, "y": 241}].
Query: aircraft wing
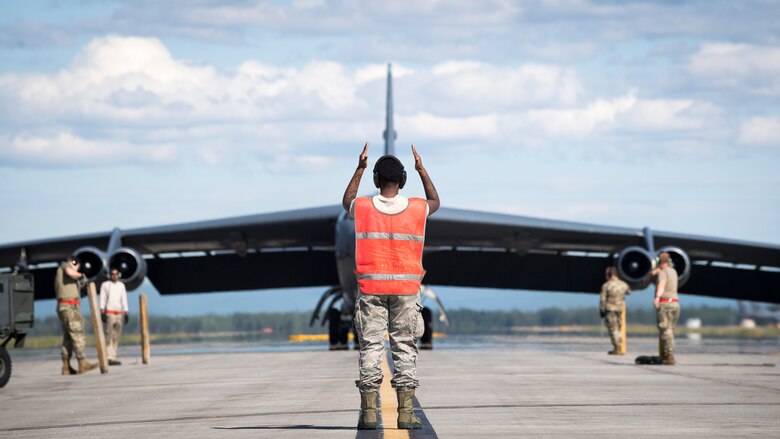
[
  {"x": 274, "y": 250},
  {"x": 480, "y": 249},
  {"x": 463, "y": 248}
]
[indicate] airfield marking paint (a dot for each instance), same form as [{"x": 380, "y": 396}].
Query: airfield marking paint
[
  {"x": 352, "y": 410},
  {"x": 389, "y": 406},
  {"x": 426, "y": 432}
]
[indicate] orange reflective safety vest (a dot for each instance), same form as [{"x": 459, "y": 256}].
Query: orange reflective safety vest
[{"x": 388, "y": 248}]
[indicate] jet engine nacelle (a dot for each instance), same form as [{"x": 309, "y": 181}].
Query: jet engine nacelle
[
  {"x": 131, "y": 266},
  {"x": 93, "y": 261},
  {"x": 633, "y": 264},
  {"x": 681, "y": 263}
]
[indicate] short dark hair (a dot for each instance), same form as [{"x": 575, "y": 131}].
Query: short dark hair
[{"x": 389, "y": 169}]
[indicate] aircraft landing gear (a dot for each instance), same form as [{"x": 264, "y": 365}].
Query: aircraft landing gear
[
  {"x": 339, "y": 323},
  {"x": 338, "y": 331},
  {"x": 426, "y": 342}
]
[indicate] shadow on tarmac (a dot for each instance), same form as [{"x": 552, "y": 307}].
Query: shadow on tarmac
[{"x": 287, "y": 427}]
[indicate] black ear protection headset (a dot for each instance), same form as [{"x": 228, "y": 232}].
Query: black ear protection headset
[{"x": 401, "y": 182}]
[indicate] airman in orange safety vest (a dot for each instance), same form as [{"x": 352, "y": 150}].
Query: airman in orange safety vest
[{"x": 389, "y": 240}]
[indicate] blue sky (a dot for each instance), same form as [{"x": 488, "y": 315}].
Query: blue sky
[{"x": 128, "y": 114}]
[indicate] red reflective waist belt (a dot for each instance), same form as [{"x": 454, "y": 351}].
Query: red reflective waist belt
[
  {"x": 69, "y": 302},
  {"x": 117, "y": 313},
  {"x": 669, "y": 300}
]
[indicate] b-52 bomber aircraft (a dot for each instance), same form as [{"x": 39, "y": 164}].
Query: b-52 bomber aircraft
[{"x": 316, "y": 247}]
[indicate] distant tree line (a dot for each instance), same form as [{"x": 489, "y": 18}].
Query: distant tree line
[
  {"x": 462, "y": 321},
  {"x": 469, "y": 321},
  {"x": 282, "y": 324}
]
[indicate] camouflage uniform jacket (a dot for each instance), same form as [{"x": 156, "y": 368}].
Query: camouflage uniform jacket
[
  {"x": 65, "y": 287},
  {"x": 613, "y": 295}
]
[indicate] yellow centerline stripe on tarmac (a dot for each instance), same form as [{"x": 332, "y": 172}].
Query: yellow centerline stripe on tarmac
[{"x": 389, "y": 406}]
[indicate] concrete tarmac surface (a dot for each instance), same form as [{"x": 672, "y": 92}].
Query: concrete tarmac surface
[{"x": 479, "y": 387}]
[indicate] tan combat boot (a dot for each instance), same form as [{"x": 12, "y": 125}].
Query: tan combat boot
[
  {"x": 85, "y": 366},
  {"x": 66, "y": 369},
  {"x": 406, "y": 418},
  {"x": 367, "y": 419},
  {"x": 668, "y": 360}
]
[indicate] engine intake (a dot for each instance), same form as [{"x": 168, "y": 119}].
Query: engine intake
[
  {"x": 680, "y": 262},
  {"x": 92, "y": 260},
  {"x": 633, "y": 264},
  {"x": 131, "y": 266}
]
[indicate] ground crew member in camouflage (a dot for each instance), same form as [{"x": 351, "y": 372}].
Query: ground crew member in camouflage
[
  {"x": 667, "y": 306},
  {"x": 377, "y": 313},
  {"x": 67, "y": 283},
  {"x": 613, "y": 298}
]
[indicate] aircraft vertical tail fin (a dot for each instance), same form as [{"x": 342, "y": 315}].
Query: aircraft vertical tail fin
[{"x": 389, "y": 134}]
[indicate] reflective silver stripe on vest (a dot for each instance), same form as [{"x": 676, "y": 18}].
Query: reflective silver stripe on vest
[
  {"x": 389, "y": 235},
  {"x": 389, "y": 276}
]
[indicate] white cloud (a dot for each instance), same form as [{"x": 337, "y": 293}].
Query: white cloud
[
  {"x": 755, "y": 69},
  {"x": 113, "y": 57},
  {"x": 581, "y": 122},
  {"x": 478, "y": 86},
  {"x": 123, "y": 80},
  {"x": 379, "y": 71},
  {"x": 66, "y": 148},
  {"x": 124, "y": 91},
  {"x": 128, "y": 100},
  {"x": 761, "y": 131},
  {"x": 331, "y": 83},
  {"x": 455, "y": 67},
  {"x": 669, "y": 115},
  {"x": 424, "y": 125}
]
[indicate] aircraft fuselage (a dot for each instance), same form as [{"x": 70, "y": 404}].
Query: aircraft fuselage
[{"x": 345, "y": 257}]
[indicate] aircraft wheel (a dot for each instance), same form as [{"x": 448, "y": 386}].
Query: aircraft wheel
[
  {"x": 335, "y": 335},
  {"x": 344, "y": 334},
  {"x": 426, "y": 342},
  {"x": 5, "y": 366}
]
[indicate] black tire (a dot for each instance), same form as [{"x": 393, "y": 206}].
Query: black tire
[
  {"x": 343, "y": 333},
  {"x": 335, "y": 332},
  {"x": 426, "y": 342},
  {"x": 5, "y": 366}
]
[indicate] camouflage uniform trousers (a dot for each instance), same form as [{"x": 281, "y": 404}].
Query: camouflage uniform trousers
[
  {"x": 613, "y": 320},
  {"x": 667, "y": 315},
  {"x": 113, "y": 332},
  {"x": 73, "y": 340},
  {"x": 401, "y": 317}
]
